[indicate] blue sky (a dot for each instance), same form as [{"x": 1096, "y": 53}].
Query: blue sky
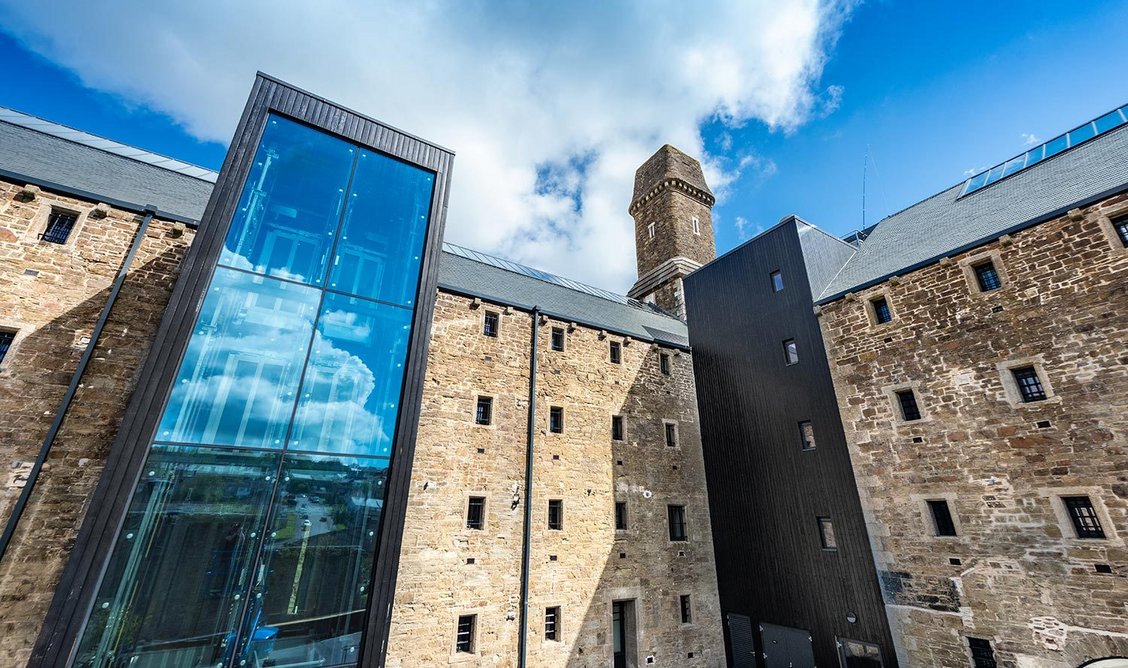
[{"x": 932, "y": 89}]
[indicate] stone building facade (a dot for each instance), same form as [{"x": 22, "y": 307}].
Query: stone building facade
[
  {"x": 1015, "y": 573},
  {"x": 51, "y": 296}
]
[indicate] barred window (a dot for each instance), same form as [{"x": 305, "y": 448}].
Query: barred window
[
  {"x": 59, "y": 226},
  {"x": 558, "y": 339},
  {"x": 476, "y": 513},
  {"x": 987, "y": 276},
  {"x": 551, "y": 623},
  {"x": 881, "y": 312},
  {"x": 1084, "y": 516},
  {"x": 664, "y": 363},
  {"x": 555, "y": 514},
  {"x": 686, "y": 613},
  {"x": 671, "y": 435},
  {"x": 982, "y": 655},
  {"x": 490, "y": 323},
  {"x": 1029, "y": 385},
  {"x": 484, "y": 412},
  {"x": 556, "y": 420},
  {"x": 464, "y": 640},
  {"x": 1121, "y": 226}
]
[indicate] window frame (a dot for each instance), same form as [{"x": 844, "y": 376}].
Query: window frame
[
  {"x": 664, "y": 364},
  {"x": 8, "y": 339},
  {"x": 942, "y": 529},
  {"x": 650, "y": 231},
  {"x": 487, "y": 401},
  {"x": 552, "y": 617},
  {"x": 71, "y": 231},
  {"x": 481, "y": 505},
  {"x": 678, "y": 530},
  {"x": 975, "y": 653},
  {"x": 873, "y": 307},
  {"x": 828, "y": 541},
  {"x": 1078, "y": 522},
  {"x": 471, "y": 642},
  {"x": 622, "y": 428},
  {"x": 553, "y": 339},
  {"x": 969, "y": 267},
  {"x": 804, "y": 444},
  {"x": 777, "y": 285},
  {"x": 555, "y": 507},
  {"x": 790, "y": 352},
  {"x": 903, "y": 405},
  {"x": 696, "y": 225},
  {"x": 489, "y": 330},
  {"x": 670, "y": 433},
  {"x": 622, "y": 519},
  {"x": 1012, "y": 389},
  {"x": 685, "y": 608},
  {"x": 1029, "y": 383},
  {"x": 556, "y": 419},
  {"x": 615, "y": 352},
  {"x": 1120, "y": 228}
]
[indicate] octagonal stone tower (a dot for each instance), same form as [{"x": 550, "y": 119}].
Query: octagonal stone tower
[{"x": 672, "y": 209}]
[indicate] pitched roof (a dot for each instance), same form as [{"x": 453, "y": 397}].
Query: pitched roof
[
  {"x": 103, "y": 170},
  {"x": 471, "y": 273},
  {"x": 946, "y": 223},
  {"x": 49, "y": 154}
]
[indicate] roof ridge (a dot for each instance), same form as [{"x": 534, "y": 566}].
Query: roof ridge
[{"x": 83, "y": 138}]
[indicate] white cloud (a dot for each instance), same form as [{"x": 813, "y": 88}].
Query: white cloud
[
  {"x": 1029, "y": 139},
  {"x": 582, "y": 92}
]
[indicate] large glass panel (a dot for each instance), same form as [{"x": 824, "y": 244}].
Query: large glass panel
[
  {"x": 1056, "y": 145},
  {"x": 381, "y": 244},
  {"x": 239, "y": 378},
  {"x": 312, "y": 587},
  {"x": 1081, "y": 134},
  {"x": 351, "y": 390},
  {"x": 291, "y": 204},
  {"x": 1108, "y": 121},
  {"x": 181, "y": 569}
]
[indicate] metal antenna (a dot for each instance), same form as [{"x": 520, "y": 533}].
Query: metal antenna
[{"x": 865, "y": 162}]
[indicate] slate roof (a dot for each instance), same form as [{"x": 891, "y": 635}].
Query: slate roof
[
  {"x": 49, "y": 154},
  {"x": 593, "y": 307},
  {"x": 946, "y": 224},
  {"x": 103, "y": 170}
]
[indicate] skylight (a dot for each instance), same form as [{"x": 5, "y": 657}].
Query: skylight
[{"x": 1074, "y": 137}]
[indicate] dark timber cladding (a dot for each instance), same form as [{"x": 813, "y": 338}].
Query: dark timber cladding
[
  {"x": 766, "y": 492},
  {"x": 79, "y": 581}
]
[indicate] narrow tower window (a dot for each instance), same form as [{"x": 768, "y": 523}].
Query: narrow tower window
[
  {"x": 650, "y": 230},
  {"x": 686, "y": 613},
  {"x": 942, "y": 518},
  {"x": 1084, "y": 516},
  {"x": 489, "y": 324},
  {"x": 909, "y": 409},
  {"x": 671, "y": 434},
  {"x": 616, "y": 427},
  {"x": 558, "y": 339},
  {"x": 620, "y": 516},
  {"x": 696, "y": 225},
  {"x": 664, "y": 363},
  {"x": 982, "y": 655},
  {"x": 1029, "y": 385},
  {"x": 59, "y": 226}
]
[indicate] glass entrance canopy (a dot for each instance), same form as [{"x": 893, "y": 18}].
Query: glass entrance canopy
[{"x": 249, "y": 539}]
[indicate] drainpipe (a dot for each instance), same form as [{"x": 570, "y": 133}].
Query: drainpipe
[
  {"x": 76, "y": 378},
  {"x": 522, "y": 641}
]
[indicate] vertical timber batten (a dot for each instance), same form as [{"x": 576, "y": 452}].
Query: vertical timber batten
[{"x": 74, "y": 597}]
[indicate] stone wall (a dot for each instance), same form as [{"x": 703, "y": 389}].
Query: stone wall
[
  {"x": 585, "y": 566},
  {"x": 51, "y": 295},
  {"x": 1015, "y": 574}
]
